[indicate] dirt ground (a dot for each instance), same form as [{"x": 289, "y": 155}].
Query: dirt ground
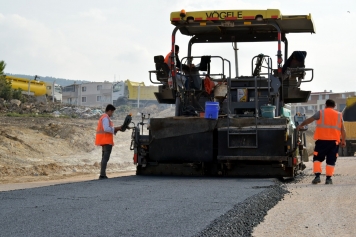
[
  {"x": 316, "y": 210},
  {"x": 47, "y": 148},
  {"x": 34, "y": 149}
]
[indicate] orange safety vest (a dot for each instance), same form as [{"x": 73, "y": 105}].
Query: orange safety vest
[
  {"x": 328, "y": 127},
  {"x": 102, "y": 137},
  {"x": 167, "y": 59}
]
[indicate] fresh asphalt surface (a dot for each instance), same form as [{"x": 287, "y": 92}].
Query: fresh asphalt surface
[{"x": 124, "y": 206}]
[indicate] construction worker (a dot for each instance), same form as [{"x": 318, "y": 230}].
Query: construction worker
[
  {"x": 181, "y": 79},
  {"x": 329, "y": 129},
  {"x": 105, "y": 137}
]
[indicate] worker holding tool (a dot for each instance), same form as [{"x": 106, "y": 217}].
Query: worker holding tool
[
  {"x": 105, "y": 137},
  {"x": 329, "y": 129}
]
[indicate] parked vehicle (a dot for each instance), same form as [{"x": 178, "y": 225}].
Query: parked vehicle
[
  {"x": 135, "y": 94},
  {"x": 349, "y": 117}
]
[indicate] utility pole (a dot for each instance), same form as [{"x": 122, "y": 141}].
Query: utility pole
[
  {"x": 236, "y": 59},
  {"x": 53, "y": 91},
  {"x": 138, "y": 96}
]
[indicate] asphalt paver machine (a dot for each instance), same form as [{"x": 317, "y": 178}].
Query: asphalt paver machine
[{"x": 253, "y": 131}]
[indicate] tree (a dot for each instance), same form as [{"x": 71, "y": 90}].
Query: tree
[
  {"x": 2, "y": 67},
  {"x": 5, "y": 86},
  {"x": 6, "y": 91}
]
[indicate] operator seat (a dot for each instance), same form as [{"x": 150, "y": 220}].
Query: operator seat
[
  {"x": 294, "y": 69},
  {"x": 205, "y": 64},
  {"x": 196, "y": 81},
  {"x": 162, "y": 69},
  {"x": 296, "y": 59}
]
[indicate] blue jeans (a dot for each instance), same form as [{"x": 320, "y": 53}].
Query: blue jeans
[{"x": 181, "y": 80}]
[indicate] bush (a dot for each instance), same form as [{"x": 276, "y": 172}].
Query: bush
[
  {"x": 123, "y": 109},
  {"x": 6, "y": 91},
  {"x": 17, "y": 94},
  {"x": 5, "y": 88}
]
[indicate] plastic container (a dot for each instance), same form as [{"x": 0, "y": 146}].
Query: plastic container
[
  {"x": 268, "y": 111},
  {"x": 211, "y": 110}
]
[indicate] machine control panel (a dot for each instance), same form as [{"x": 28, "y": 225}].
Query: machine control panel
[{"x": 298, "y": 119}]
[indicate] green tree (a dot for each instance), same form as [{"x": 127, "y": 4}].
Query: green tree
[
  {"x": 5, "y": 86},
  {"x": 6, "y": 91},
  {"x": 2, "y": 67}
]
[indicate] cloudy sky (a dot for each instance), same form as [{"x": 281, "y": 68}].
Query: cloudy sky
[{"x": 100, "y": 40}]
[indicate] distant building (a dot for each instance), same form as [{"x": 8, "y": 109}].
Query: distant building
[
  {"x": 317, "y": 101},
  {"x": 91, "y": 94}
]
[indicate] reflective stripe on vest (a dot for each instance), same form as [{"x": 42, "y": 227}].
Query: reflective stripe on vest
[
  {"x": 102, "y": 137},
  {"x": 322, "y": 125},
  {"x": 328, "y": 127}
]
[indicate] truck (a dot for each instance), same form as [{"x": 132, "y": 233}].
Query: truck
[
  {"x": 228, "y": 125},
  {"x": 36, "y": 87},
  {"x": 30, "y": 87},
  {"x": 53, "y": 91},
  {"x": 349, "y": 117},
  {"x": 135, "y": 94}
]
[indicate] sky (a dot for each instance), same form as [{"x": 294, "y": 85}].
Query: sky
[{"x": 111, "y": 40}]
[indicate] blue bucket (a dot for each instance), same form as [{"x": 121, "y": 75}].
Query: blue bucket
[{"x": 211, "y": 110}]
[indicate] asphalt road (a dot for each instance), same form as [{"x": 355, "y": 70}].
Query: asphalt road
[{"x": 124, "y": 206}]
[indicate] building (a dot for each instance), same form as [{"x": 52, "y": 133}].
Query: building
[
  {"x": 91, "y": 94},
  {"x": 317, "y": 101}
]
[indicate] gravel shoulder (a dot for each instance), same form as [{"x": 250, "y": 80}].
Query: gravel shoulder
[{"x": 315, "y": 210}]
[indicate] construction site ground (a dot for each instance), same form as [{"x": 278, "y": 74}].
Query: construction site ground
[
  {"x": 42, "y": 149},
  {"x": 51, "y": 148},
  {"x": 315, "y": 210},
  {"x": 45, "y": 151}
]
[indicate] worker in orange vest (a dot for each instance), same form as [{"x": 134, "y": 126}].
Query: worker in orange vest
[
  {"x": 329, "y": 129},
  {"x": 105, "y": 137},
  {"x": 181, "y": 79}
]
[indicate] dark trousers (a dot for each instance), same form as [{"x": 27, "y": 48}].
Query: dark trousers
[
  {"x": 106, "y": 151},
  {"x": 328, "y": 149}
]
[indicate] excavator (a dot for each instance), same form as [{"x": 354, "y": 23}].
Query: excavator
[{"x": 225, "y": 125}]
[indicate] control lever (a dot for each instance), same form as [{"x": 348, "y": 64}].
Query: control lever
[{"x": 298, "y": 119}]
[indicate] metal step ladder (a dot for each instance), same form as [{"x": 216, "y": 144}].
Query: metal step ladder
[
  {"x": 238, "y": 138},
  {"x": 248, "y": 138}
]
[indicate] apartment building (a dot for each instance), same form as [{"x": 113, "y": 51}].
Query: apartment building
[
  {"x": 92, "y": 94},
  {"x": 317, "y": 101}
]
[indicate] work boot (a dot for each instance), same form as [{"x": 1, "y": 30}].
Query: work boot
[
  {"x": 103, "y": 177},
  {"x": 328, "y": 181},
  {"x": 316, "y": 180}
]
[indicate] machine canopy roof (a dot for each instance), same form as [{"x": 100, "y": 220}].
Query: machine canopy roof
[{"x": 240, "y": 25}]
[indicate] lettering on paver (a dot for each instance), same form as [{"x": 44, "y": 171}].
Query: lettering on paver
[{"x": 223, "y": 15}]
